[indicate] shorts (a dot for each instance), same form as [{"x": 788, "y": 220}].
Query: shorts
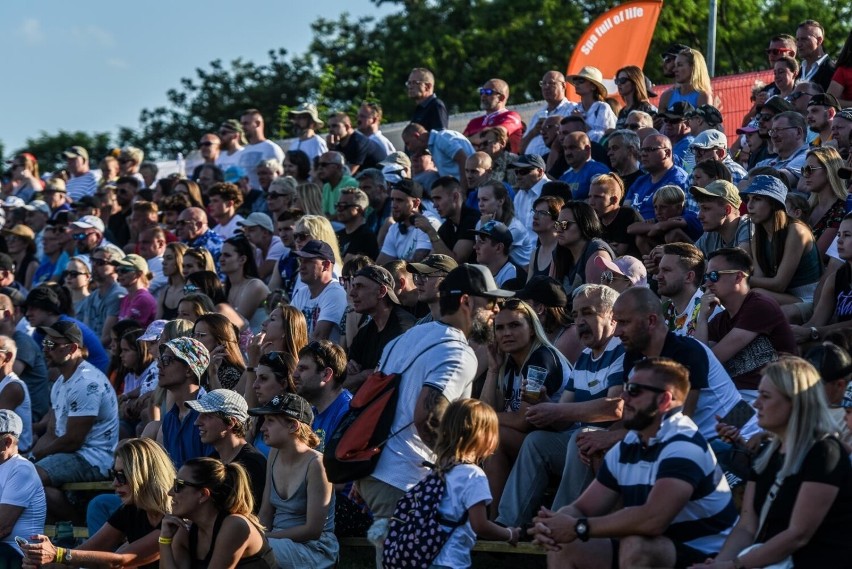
[
  {"x": 319, "y": 553},
  {"x": 64, "y": 467},
  {"x": 685, "y": 556},
  {"x": 380, "y": 496}
]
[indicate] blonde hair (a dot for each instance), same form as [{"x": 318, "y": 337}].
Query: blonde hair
[
  {"x": 612, "y": 182},
  {"x": 229, "y": 485},
  {"x": 809, "y": 421},
  {"x": 149, "y": 472},
  {"x": 699, "y": 79},
  {"x": 310, "y": 198},
  {"x": 469, "y": 433},
  {"x": 831, "y": 160},
  {"x": 318, "y": 227},
  {"x": 670, "y": 195},
  {"x": 178, "y": 249}
]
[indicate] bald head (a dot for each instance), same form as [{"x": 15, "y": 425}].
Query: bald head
[
  {"x": 642, "y": 301},
  {"x": 479, "y": 160},
  {"x": 477, "y": 169},
  {"x": 577, "y": 149},
  {"x": 498, "y": 85}
]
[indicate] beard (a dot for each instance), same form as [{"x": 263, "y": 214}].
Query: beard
[
  {"x": 481, "y": 330},
  {"x": 642, "y": 418}
]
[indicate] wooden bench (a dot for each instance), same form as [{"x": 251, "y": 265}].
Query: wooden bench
[
  {"x": 523, "y": 547},
  {"x": 79, "y": 532},
  {"x": 99, "y": 486}
]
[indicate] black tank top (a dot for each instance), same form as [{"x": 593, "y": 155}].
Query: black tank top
[{"x": 263, "y": 559}]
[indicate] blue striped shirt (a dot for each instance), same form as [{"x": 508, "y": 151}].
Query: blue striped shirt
[
  {"x": 593, "y": 377},
  {"x": 677, "y": 451}
]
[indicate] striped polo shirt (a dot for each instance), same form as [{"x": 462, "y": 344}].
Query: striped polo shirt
[
  {"x": 592, "y": 376},
  {"x": 677, "y": 451}
]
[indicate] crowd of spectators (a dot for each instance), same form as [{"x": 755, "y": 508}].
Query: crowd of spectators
[{"x": 649, "y": 306}]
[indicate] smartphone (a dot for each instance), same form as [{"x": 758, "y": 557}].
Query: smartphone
[
  {"x": 21, "y": 541},
  {"x": 739, "y": 415}
]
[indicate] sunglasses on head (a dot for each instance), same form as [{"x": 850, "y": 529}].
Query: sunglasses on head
[
  {"x": 714, "y": 276},
  {"x": 636, "y": 389},
  {"x": 118, "y": 475},
  {"x": 179, "y": 485}
]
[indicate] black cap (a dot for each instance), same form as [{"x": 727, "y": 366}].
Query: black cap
[
  {"x": 831, "y": 361},
  {"x": 16, "y": 296},
  {"x": 408, "y": 187},
  {"x": 777, "y": 105},
  {"x": 709, "y": 113},
  {"x": 432, "y": 264},
  {"x": 62, "y": 217},
  {"x": 678, "y": 111},
  {"x": 87, "y": 201},
  {"x": 64, "y": 329},
  {"x": 558, "y": 189},
  {"x": 45, "y": 298},
  {"x": 544, "y": 289},
  {"x": 288, "y": 404},
  {"x": 316, "y": 249},
  {"x": 381, "y": 276},
  {"x": 6, "y": 262},
  {"x": 475, "y": 280},
  {"x": 529, "y": 161},
  {"x": 496, "y": 231},
  {"x": 824, "y": 100},
  {"x": 674, "y": 49}
]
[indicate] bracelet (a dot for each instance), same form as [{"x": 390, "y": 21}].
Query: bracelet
[
  {"x": 60, "y": 555},
  {"x": 511, "y": 535},
  {"x": 164, "y": 540}
]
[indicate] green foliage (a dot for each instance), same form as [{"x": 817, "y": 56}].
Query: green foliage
[{"x": 48, "y": 148}]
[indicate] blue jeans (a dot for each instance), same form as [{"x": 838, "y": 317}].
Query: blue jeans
[{"x": 100, "y": 509}]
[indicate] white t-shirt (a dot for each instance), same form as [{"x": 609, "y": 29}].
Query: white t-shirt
[
  {"x": 229, "y": 229},
  {"x": 524, "y": 200},
  {"x": 88, "y": 393},
  {"x": 254, "y": 154},
  {"x": 466, "y": 486},
  {"x": 225, "y": 160},
  {"x": 24, "y": 411},
  {"x": 277, "y": 249},
  {"x": 522, "y": 245},
  {"x": 506, "y": 273},
  {"x": 155, "y": 265},
  {"x": 402, "y": 246},
  {"x": 20, "y": 486},
  {"x": 383, "y": 141},
  {"x": 328, "y": 306},
  {"x": 448, "y": 366},
  {"x": 313, "y": 147}
]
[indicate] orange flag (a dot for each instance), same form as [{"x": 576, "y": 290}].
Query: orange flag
[{"x": 615, "y": 39}]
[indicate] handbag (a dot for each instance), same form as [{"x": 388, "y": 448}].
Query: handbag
[{"x": 787, "y": 562}]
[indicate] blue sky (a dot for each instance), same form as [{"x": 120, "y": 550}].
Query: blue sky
[{"x": 93, "y": 65}]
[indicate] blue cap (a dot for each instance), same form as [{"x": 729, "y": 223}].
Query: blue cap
[
  {"x": 768, "y": 186},
  {"x": 234, "y": 174}
]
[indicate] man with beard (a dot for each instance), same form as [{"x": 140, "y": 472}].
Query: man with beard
[
  {"x": 679, "y": 277},
  {"x": 403, "y": 240},
  {"x": 88, "y": 234},
  {"x": 820, "y": 115},
  {"x": 589, "y": 404},
  {"x": 428, "y": 276},
  {"x": 640, "y": 323},
  {"x": 322, "y": 300},
  {"x": 677, "y": 508},
  {"x": 493, "y": 97},
  {"x": 438, "y": 367}
]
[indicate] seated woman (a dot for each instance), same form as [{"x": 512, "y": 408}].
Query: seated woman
[
  {"x": 298, "y": 502},
  {"x": 798, "y": 500},
  {"x": 245, "y": 291},
  {"x": 208, "y": 283},
  {"x": 216, "y": 500},
  {"x": 171, "y": 294},
  {"x": 142, "y": 477},
  {"x": 77, "y": 277},
  {"x": 140, "y": 364},
  {"x": 495, "y": 203},
  {"x": 197, "y": 259},
  {"x": 220, "y": 338},
  {"x": 821, "y": 178},
  {"x": 194, "y": 305},
  {"x": 273, "y": 377},
  {"x": 787, "y": 263},
  {"x": 134, "y": 276},
  {"x": 579, "y": 243},
  {"x": 521, "y": 363}
]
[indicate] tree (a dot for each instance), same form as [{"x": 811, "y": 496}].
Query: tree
[{"x": 48, "y": 148}]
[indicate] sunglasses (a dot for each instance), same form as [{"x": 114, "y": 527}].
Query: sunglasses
[
  {"x": 563, "y": 225},
  {"x": 714, "y": 276},
  {"x": 634, "y": 125},
  {"x": 118, "y": 475},
  {"x": 190, "y": 288},
  {"x": 608, "y": 276},
  {"x": 99, "y": 262},
  {"x": 344, "y": 206},
  {"x": 578, "y": 81},
  {"x": 167, "y": 360},
  {"x": 778, "y": 51},
  {"x": 79, "y": 236},
  {"x": 179, "y": 485},
  {"x": 523, "y": 171},
  {"x": 301, "y": 236},
  {"x": 275, "y": 196},
  {"x": 49, "y": 345},
  {"x": 488, "y": 92},
  {"x": 205, "y": 143},
  {"x": 126, "y": 270},
  {"x": 74, "y": 274},
  {"x": 621, "y": 80},
  {"x": 808, "y": 170},
  {"x": 636, "y": 389},
  {"x": 536, "y": 213}
]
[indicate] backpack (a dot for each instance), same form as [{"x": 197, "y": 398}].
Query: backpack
[
  {"x": 417, "y": 532},
  {"x": 354, "y": 447}
]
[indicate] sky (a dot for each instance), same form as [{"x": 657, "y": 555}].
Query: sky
[{"x": 93, "y": 66}]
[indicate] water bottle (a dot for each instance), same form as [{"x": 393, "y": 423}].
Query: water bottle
[{"x": 180, "y": 165}]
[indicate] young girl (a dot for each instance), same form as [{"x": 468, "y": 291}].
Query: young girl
[{"x": 468, "y": 435}]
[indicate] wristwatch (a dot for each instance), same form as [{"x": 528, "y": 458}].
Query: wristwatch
[
  {"x": 67, "y": 558},
  {"x": 582, "y": 529},
  {"x": 814, "y": 333}
]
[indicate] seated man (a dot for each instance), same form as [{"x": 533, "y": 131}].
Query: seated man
[
  {"x": 82, "y": 428},
  {"x": 677, "y": 506},
  {"x": 493, "y": 243}
]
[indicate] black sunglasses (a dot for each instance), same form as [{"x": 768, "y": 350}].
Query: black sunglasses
[
  {"x": 117, "y": 475},
  {"x": 179, "y": 485},
  {"x": 636, "y": 389}
]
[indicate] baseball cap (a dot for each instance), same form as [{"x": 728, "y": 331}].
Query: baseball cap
[
  {"x": 529, "y": 160},
  {"x": 748, "y": 129},
  {"x": 11, "y": 423},
  {"x": 225, "y": 401},
  {"x": 42, "y": 297},
  {"x": 432, "y": 264},
  {"x": 777, "y": 105},
  {"x": 678, "y": 111},
  {"x": 13, "y": 202},
  {"x": 397, "y": 158},
  {"x": 392, "y": 173},
  {"x": 381, "y": 276},
  {"x": 824, "y": 100},
  {"x": 153, "y": 331},
  {"x": 75, "y": 151},
  {"x": 64, "y": 329},
  {"x": 89, "y": 222},
  {"x": 234, "y": 174},
  {"x": 316, "y": 249},
  {"x": 496, "y": 231},
  {"x": 86, "y": 201},
  {"x": 191, "y": 352},
  {"x": 133, "y": 261},
  {"x": 710, "y": 139},
  {"x": 674, "y": 49},
  {"x": 38, "y": 205},
  {"x": 768, "y": 186},
  {"x": 55, "y": 185},
  {"x": 709, "y": 113},
  {"x": 258, "y": 219},
  {"x": 288, "y": 404},
  {"x": 718, "y": 189},
  {"x": 544, "y": 289},
  {"x": 845, "y": 114},
  {"x": 831, "y": 361},
  {"x": 6, "y": 262},
  {"x": 628, "y": 266},
  {"x": 408, "y": 187},
  {"x": 472, "y": 279}
]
